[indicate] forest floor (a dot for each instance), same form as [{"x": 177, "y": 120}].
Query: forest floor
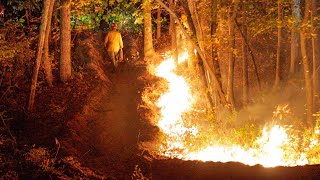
[{"x": 91, "y": 129}]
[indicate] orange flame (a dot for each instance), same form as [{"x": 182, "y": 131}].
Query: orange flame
[{"x": 271, "y": 148}]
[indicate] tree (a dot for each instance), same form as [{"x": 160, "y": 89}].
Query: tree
[
  {"x": 158, "y": 22},
  {"x": 295, "y": 37},
  {"x": 148, "y": 43},
  {"x": 46, "y": 60},
  {"x": 195, "y": 45},
  {"x": 305, "y": 62},
  {"x": 173, "y": 32},
  {"x": 214, "y": 46},
  {"x": 245, "y": 83},
  {"x": 43, "y": 28},
  {"x": 65, "y": 41},
  {"x": 315, "y": 51},
  {"x": 279, "y": 24},
  {"x": 232, "y": 17}
]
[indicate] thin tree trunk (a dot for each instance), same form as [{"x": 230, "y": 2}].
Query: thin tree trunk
[
  {"x": 203, "y": 76},
  {"x": 170, "y": 17},
  {"x": 173, "y": 33},
  {"x": 277, "y": 81},
  {"x": 204, "y": 60},
  {"x": 251, "y": 54},
  {"x": 46, "y": 4},
  {"x": 148, "y": 44},
  {"x": 159, "y": 22},
  {"x": 28, "y": 13},
  {"x": 230, "y": 93},
  {"x": 295, "y": 37},
  {"x": 306, "y": 67},
  {"x": 192, "y": 62},
  {"x": 214, "y": 50},
  {"x": 197, "y": 25},
  {"x": 315, "y": 52},
  {"x": 245, "y": 81},
  {"x": 65, "y": 41},
  {"x": 46, "y": 59}
]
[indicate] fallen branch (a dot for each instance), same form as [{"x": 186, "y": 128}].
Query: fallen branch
[{"x": 57, "y": 143}]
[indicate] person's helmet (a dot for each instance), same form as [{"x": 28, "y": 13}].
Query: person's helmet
[{"x": 114, "y": 25}]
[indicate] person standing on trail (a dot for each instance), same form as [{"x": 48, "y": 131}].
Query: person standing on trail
[{"x": 113, "y": 44}]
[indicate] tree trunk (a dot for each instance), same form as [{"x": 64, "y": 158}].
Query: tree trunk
[
  {"x": 44, "y": 22},
  {"x": 46, "y": 59},
  {"x": 206, "y": 83},
  {"x": 199, "y": 51},
  {"x": 173, "y": 33},
  {"x": 148, "y": 44},
  {"x": 232, "y": 16},
  {"x": 315, "y": 52},
  {"x": 214, "y": 49},
  {"x": 277, "y": 81},
  {"x": 244, "y": 37},
  {"x": 65, "y": 41},
  {"x": 245, "y": 81},
  {"x": 159, "y": 22},
  {"x": 306, "y": 68},
  {"x": 295, "y": 37},
  {"x": 195, "y": 19}
]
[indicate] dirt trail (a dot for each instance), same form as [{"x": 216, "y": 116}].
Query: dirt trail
[{"x": 110, "y": 140}]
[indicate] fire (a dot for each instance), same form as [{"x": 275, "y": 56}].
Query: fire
[
  {"x": 173, "y": 103},
  {"x": 273, "y": 148}
]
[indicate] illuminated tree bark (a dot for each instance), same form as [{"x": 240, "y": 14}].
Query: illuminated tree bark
[
  {"x": 198, "y": 49},
  {"x": 159, "y": 22},
  {"x": 65, "y": 41},
  {"x": 305, "y": 62},
  {"x": 43, "y": 26},
  {"x": 279, "y": 22},
  {"x": 194, "y": 22},
  {"x": 173, "y": 33},
  {"x": 232, "y": 16},
  {"x": 245, "y": 81},
  {"x": 214, "y": 49},
  {"x": 46, "y": 59},
  {"x": 315, "y": 52},
  {"x": 295, "y": 36},
  {"x": 148, "y": 43}
]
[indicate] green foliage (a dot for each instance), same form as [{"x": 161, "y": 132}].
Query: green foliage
[
  {"x": 17, "y": 9},
  {"x": 262, "y": 16},
  {"x": 91, "y": 14},
  {"x": 86, "y": 14}
]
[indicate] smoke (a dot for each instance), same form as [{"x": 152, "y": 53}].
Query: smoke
[{"x": 283, "y": 106}]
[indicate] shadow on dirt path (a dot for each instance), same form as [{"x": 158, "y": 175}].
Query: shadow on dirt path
[{"x": 111, "y": 131}]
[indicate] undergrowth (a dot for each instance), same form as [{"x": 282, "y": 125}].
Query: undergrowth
[{"x": 221, "y": 126}]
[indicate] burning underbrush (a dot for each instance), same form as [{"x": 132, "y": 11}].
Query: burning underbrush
[{"x": 189, "y": 131}]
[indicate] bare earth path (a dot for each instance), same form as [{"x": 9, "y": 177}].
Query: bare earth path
[{"x": 115, "y": 130}]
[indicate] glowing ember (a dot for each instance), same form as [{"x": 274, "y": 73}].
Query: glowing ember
[{"x": 273, "y": 148}]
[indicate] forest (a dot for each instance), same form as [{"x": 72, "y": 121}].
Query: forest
[{"x": 204, "y": 89}]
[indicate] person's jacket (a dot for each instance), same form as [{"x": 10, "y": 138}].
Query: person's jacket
[{"x": 113, "y": 41}]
